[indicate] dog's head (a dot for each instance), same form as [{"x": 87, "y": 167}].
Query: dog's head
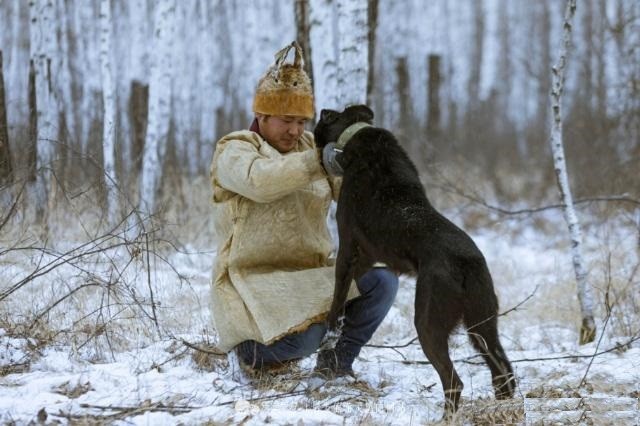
[{"x": 333, "y": 123}]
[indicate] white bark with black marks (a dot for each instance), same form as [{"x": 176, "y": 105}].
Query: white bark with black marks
[
  {"x": 588, "y": 328},
  {"x": 353, "y": 59},
  {"x": 159, "y": 104},
  {"x": 109, "y": 106},
  {"x": 42, "y": 31},
  {"x": 322, "y": 18}
]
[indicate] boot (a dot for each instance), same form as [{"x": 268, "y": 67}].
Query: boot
[{"x": 334, "y": 363}]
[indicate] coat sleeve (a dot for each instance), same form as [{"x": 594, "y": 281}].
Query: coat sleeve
[{"x": 242, "y": 169}]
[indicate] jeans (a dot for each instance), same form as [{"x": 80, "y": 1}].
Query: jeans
[{"x": 363, "y": 315}]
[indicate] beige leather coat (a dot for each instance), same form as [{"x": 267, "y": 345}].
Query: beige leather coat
[{"x": 273, "y": 274}]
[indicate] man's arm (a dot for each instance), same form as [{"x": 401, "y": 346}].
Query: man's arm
[{"x": 240, "y": 168}]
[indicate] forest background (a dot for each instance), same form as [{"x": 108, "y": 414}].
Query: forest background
[{"x": 109, "y": 114}]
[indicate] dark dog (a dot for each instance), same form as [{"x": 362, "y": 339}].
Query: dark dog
[{"x": 383, "y": 215}]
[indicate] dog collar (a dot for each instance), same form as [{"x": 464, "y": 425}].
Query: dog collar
[{"x": 348, "y": 133}]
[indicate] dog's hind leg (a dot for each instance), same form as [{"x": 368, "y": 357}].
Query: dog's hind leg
[
  {"x": 481, "y": 320},
  {"x": 437, "y": 312},
  {"x": 483, "y": 332}
]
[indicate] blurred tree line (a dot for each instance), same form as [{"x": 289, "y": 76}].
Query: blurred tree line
[{"x": 464, "y": 84}]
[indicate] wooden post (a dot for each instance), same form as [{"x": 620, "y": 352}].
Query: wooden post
[{"x": 6, "y": 169}]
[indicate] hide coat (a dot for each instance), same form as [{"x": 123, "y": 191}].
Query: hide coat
[{"x": 273, "y": 274}]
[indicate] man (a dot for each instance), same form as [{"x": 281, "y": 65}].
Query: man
[{"x": 273, "y": 279}]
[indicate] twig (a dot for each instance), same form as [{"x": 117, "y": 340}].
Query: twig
[
  {"x": 153, "y": 303},
  {"x": 501, "y": 210},
  {"x": 410, "y": 342},
  {"x": 130, "y": 411},
  {"x": 468, "y": 359},
  {"x": 515, "y": 308},
  {"x": 268, "y": 397},
  {"x": 12, "y": 210},
  {"x": 214, "y": 351},
  {"x": 56, "y": 303},
  {"x": 609, "y": 308}
]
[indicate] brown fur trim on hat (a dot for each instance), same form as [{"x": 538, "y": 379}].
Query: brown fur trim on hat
[{"x": 284, "y": 102}]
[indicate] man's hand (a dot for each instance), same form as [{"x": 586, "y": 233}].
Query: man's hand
[{"x": 329, "y": 161}]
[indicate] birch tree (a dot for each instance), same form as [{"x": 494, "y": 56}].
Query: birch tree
[
  {"x": 88, "y": 62},
  {"x": 139, "y": 27},
  {"x": 159, "y": 104},
  {"x": 339, "y": 44},
  {"x": 213, "y": 70},
  {"x": 109, "y": 106},
  {"x": 588, "y": 328},
  {"x": 353, "y": 58},
  {"x": 42, "y": 46},
  {"x": 324, "y": 52}
]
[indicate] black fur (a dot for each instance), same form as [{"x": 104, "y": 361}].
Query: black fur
[{"x": 384, "y": 215}]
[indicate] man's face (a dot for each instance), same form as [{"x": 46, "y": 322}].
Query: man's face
[{"x": 281, "y": 132}]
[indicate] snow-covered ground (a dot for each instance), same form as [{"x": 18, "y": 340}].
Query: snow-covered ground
[{"x": 106, "y": 354}]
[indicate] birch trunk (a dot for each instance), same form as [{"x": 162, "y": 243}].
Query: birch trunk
[
  {"x": 109, "y": 107},
  {"x": 138, "y": 60},
  {"x": 159, "y": 105},
  {"x": 324, "y": 44},
  {"x": 205, "y": 83},
  {"x": 185, "y": 88},
  {"x": 353, "y": 59},
  {"x": 41, "y": 32},
  {"x": 588, "y": 328},
  {"x": 89, "y": 62}
]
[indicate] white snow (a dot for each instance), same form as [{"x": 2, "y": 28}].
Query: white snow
[{"x": 140, "y": 378}]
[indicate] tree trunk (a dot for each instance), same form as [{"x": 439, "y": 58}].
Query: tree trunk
[
  {"x": 433, "y": 97},
  {"x": 6, "y": 168},
  {"x": 213, "y": 77},
  {"x": 42, "y": 47},
  {"x": 139, "y": 110},
  {"x": 109, "y": 106},
  {"x": 476, "y": 54},
  {"x": 372, "y": 24},
  {"x": 322, "y": 14},
  {"x": 405, "y": 112},
  {"x": 301, "y": 9},
  {"x": 32, "y": 158},
  {"x": 353, "y": 57},
  {"x": 588, "y": 328},
  {"x": 159, "y": 105}
]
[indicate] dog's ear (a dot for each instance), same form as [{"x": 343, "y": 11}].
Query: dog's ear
[
  {"x": 361, "y": 113},
  {"x": 329, "y": 115}
]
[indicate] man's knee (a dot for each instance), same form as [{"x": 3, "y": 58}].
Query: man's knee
[{"x": 379, "y": 283}]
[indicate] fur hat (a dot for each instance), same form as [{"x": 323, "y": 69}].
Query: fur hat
[{"x": 286, "y": 88}]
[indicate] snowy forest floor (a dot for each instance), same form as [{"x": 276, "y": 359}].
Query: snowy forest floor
[{"x": 99, "y": 337}]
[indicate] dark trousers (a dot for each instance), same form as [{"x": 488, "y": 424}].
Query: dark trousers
[{"x": 363, "y": 315}]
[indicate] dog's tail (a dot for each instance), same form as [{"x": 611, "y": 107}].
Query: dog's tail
[{"x": 481, "y": 320}]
